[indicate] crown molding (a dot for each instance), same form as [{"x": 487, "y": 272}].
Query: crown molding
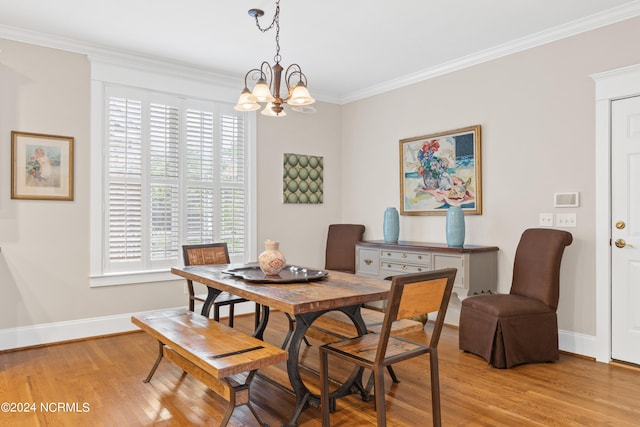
[
  {"x": 133, "y": 60},
  {"x": 592, "y": 22}
]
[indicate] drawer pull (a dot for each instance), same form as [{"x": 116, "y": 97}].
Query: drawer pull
[
  {"x": 419, "y": 256},
  {"x": 404, "y": 255},
  {"x": 368, "y": 261},
  {"x": 404, "y": 267},
  {"x": 419, "y": 269}
]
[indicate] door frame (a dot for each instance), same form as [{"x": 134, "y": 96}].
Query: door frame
[{"x": 610, "y": 86}]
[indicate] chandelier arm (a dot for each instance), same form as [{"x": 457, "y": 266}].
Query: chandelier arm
[
  {"x": 294, "y": 70},
  {"x": 266, "y": 72},
  {"x": 246, "y": 76},
  {"x": 259, "y": 73}
]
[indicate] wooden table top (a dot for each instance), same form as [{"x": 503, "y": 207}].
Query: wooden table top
[{"x": 337, "y": 290}]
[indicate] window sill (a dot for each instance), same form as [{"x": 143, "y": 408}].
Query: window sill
[{"x": 133, "y": 278}]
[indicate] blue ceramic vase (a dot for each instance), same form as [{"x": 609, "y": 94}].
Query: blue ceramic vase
[
  {"x": 455, "y": 226},
  {"x": 391, "y": 225}
]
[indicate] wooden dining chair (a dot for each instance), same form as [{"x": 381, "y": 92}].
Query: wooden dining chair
[
  {"x": 212, "y": 253},
  {"x": 410, "y": 295}
]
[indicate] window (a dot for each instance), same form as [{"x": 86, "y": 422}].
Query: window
[{"x": 167, "y": 170}]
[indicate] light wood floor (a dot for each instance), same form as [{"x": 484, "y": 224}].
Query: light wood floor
[{"x": 98, "y": 382}]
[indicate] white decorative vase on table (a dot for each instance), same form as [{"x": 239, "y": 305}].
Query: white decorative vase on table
[{"x": 271, "y": 261}]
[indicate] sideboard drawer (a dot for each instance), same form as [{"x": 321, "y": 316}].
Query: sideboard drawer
[
  {"x": 402, "y": 257},
  {"x": 399, "y": 268},
  {"x": 368, "y": 261}
]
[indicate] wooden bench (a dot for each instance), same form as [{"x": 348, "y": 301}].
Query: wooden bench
[{"x": 213, "y": 353}]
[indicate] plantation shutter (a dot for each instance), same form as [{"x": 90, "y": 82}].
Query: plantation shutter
[
  {"x": 200, "y": 191},
  {"x": 164, "y": 160},
  {"x": 124, "y": 186},
  {"x": 176, "y": 175},
  {"x": 232, "y": 182}
]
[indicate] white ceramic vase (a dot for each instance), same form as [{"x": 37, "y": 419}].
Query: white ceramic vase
[{"x": 271, "y": 261}]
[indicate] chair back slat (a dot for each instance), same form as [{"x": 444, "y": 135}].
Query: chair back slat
[
  {"x": 213, "y": 253},
  {"x": 421, "y": 297}
]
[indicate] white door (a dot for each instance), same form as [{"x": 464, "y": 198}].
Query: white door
[{"x": 625, "y": 230}]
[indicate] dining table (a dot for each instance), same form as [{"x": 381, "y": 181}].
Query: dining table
[{"x": 300, "y": 292}]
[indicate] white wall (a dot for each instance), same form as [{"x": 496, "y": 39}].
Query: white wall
[
  {"x": 536, "y": 109},
  {"x": 300, "y": 228},
  {"x": 45, "y": 246}
]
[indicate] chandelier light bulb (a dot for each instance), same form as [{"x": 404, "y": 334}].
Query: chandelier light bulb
[
  {"x": 300, "y": 96},
  {"x": 262, "y": 92},
  {"x": 247, "y": 102}
]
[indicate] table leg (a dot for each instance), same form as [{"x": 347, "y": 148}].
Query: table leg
[
  {"x": 212, "y": 294},
  {"x": 262, "y": 324},
  {"x": 304, "y": 397}
]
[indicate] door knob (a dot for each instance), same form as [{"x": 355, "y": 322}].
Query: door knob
[{"x": 620, "y": 243}]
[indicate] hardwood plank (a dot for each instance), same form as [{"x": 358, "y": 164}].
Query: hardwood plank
[{"x": 107, "y": 374}]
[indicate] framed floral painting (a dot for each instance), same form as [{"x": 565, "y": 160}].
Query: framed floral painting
[
  {"x": 441, "y": 170},
  {"x": 41, "y": 166}
]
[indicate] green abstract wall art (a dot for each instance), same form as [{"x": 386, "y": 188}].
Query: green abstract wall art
[{"x": 302, "y": 177}]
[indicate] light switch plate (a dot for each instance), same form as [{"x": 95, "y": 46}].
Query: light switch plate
[
  {"x": 545, "y": 220},
  {"x": 567, "y": 220}
]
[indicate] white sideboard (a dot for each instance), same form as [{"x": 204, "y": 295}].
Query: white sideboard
[{"x": 477, "y": 265}]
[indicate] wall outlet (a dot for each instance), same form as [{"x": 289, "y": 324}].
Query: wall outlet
[
  {"x": 566, "y": 220},
  {"x": 545, "y": 220}
]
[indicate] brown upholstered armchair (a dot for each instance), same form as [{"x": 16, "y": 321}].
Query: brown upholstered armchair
[
  {"x": 341, "y": 247},
  {"x": 522, "y": 326}
]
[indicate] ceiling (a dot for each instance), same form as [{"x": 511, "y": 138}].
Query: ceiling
[{"x": 349, "y": 49}]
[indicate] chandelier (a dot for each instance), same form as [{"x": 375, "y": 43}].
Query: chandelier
[{"x": 268, "y": 79}]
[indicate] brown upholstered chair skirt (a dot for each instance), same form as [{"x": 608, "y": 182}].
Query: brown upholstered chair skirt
[{"x": 529, "y": 329}]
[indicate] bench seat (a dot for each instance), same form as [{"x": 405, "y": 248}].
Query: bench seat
[{"x": 212, "y": 352}]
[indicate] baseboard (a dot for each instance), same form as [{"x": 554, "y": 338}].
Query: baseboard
[
  {"x": 29, "y": 336},
  {"x": 576, "y": 343},
  {"x": 48, "y": 333}
]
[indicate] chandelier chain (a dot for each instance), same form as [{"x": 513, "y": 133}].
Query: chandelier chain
[
  {"x": 275, "y": 22},
  {"x": 277, "y": 56}
]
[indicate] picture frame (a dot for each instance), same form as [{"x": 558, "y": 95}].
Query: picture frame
[
  {"x": 41, "y": 166},
  {"x": 440, "y": 170}
]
